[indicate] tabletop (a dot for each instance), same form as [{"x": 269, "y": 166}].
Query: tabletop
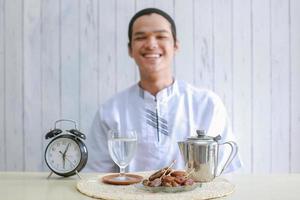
[{"x": 35, "y": 185}]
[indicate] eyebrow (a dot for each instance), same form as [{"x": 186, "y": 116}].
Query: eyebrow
[{"x": 156, "y": 31}]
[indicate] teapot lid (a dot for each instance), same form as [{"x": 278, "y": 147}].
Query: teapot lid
[{"x": 201, "y": 135}]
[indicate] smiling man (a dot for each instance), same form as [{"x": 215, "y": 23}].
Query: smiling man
[
  {"x": 152, "y": 46},
  {"x": 161, "y": 109}
]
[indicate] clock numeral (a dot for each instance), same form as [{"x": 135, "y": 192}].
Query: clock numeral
[{"x": 53, "y": 149}]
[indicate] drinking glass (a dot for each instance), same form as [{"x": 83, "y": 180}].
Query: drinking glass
[{"x": 122, "y": 147}]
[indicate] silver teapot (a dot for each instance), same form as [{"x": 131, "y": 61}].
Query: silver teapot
[{"x": 200, "y": 155}]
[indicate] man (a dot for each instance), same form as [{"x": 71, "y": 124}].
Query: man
[{"x": 161, "y": 109}]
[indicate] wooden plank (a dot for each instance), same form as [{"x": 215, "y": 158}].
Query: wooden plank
[
  {"x": 184, "y": 60},
  {"x": 167, "y": 6},
  {"x": 295, "y": 85},
  {"x": 70, "y": 47},
  {"x": 203, "y": 48},
  {"x": 32, "y": 86},
  {"x": 126, "y": 68},
  {"x": 13, "y": 86},
  {"x": 88, "y": 62},
  {"x": 50, "y": 63},
  {"x": 107, "y": 50},
  {"x": 2, "y": 88},
  {"x": 222, "y": 53},
  {"x": 261, "y": 84},
  {"x": 141, "y": 4},
  {"x": 280, "y": 85},
  {"x": 242, "y": 80}
]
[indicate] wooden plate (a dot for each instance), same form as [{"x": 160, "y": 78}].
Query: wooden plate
[{"x": 112, "y": 179}]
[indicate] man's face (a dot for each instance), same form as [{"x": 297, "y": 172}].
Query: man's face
[{"x": 152, "y": 45}]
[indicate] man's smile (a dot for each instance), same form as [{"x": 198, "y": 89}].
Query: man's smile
[{"x": 151, "y": 55}]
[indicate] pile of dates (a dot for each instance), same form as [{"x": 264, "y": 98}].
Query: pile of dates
[{"x": 168, "y": 178}]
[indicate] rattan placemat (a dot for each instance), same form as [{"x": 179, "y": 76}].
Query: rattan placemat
[{"x": 93, "y": 187}]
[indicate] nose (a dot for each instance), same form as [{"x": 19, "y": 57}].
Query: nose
[{"x": 151, "y": 43}]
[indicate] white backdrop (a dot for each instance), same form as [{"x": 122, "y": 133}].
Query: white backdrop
[{"x": 63, "y": 58}]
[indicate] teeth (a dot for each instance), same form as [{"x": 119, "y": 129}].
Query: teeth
[{"x": 152, "y": 55}]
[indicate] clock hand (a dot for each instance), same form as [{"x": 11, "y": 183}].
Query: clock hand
[
  {"x": 73, "y": 166},
  {"x": 67, "y": 159},
  {"x": 70, "y": 162},
  {"x": 66, "y": 149},
  {"x": 64, "y": 155},
  {"x": 64, "y": 158}
]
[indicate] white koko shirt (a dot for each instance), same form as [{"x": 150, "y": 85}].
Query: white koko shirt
[{"x": 160, "y": 121}]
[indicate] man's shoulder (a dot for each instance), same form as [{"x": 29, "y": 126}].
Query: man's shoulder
[
  {"x": 197, "y": 93},
  {"x": 120, "y": 97}
]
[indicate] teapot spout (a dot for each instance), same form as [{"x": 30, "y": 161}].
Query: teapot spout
[{"x": 183, "y": 150}]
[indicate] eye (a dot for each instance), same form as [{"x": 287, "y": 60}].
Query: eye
[
  {"x": 140, "y": 38},
  {"x": 162, "y": 37}
]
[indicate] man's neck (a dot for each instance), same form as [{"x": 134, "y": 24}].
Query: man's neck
[{"x": 154, "y": 85}]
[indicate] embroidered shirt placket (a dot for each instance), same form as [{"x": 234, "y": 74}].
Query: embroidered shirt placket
[{"x": 157, "y": 118}]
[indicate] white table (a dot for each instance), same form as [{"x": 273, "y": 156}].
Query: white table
[
  {"x": 273, "y": 187},
  {"x": 30, "y": 186}
]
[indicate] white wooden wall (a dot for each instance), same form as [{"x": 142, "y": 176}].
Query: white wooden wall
[{"x": 63, "y": 58}]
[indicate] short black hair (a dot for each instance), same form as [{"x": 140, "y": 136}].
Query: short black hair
[{"x": 148, "y": 11}]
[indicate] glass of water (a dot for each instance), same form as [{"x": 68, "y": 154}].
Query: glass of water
[{"x": 122, "y": 147}]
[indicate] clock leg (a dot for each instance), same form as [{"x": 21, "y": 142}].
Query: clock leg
[
  {"x": 49, "y": 175},
  {"x": 78, "y": 174}
]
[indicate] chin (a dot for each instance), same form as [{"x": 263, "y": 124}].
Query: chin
[
  {"x": 153, "y": 68},
  {"x": 154, "y": 71}
]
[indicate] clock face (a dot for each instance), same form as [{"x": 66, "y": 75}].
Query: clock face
[{"x": 63, "y": 155}]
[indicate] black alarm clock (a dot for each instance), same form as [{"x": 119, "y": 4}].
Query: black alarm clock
[{"x": 66, "y": 154}]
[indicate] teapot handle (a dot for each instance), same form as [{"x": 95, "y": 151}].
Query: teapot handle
[{"x": 233, "y": 152}]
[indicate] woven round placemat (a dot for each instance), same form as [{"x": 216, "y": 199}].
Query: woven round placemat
[{"x": 94, "y": 187}]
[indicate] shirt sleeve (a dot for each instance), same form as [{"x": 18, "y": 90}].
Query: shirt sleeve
[
  {"x": 220, "y": 125},
  {"x": 99, "y": 159}
]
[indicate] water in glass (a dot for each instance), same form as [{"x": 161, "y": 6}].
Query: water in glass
[
  {"x": 122, "y": 147},
  {"x": 122, "y": 150}
]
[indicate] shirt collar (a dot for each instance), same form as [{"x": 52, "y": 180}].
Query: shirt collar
[{"x": 162, "y": 95}]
